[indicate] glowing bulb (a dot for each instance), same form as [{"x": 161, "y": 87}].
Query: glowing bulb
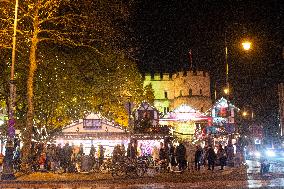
[
  {"x": 226, "y": 91},
  {"x": 246, "y": 45}
]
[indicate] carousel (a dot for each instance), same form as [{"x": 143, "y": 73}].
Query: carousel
[{"x": 186, "y": 122}]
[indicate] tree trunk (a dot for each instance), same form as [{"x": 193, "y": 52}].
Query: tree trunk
[{"x": 27, "y": 133}]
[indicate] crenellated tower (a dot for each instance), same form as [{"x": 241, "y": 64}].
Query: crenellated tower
[{"x": 187, "y": 87}]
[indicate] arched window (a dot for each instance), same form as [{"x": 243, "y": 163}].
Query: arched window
[
  {"x": 200, "y": 91},
  {"x": 190, "y": 92},
  {"x": 166, "y": 94}
]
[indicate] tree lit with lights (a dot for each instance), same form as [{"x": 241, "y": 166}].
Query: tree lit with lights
[{"x": 47, "y": 23}]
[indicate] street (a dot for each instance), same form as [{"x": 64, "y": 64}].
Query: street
[{"x": 229, "y": 178}]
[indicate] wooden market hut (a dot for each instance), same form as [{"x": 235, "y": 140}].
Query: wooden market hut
[
  {"x": 147, "y": 131},
  {"x": 94, "y": 129}
]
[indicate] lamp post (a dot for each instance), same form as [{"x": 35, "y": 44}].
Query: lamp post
[
  {"x": 246, "y": 46},
  {"x": 8, "y": 171}
]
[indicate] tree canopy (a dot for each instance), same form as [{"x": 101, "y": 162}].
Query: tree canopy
[{"x": 62, "y": 88}]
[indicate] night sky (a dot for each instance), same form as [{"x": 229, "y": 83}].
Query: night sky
[{"x": 166, "y": 30}]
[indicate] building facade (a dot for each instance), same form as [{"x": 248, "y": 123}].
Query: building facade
[{"x": 188, "y": 87}]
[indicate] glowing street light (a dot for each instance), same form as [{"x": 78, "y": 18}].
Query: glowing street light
[
  {"x": 246, "y": 45},
  {"x": 245, "y": 113},
  {"x": 226, "y": 91}
]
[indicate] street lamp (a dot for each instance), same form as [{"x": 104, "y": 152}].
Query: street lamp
[
  {"x": 246, "y": 45},
  {"x": 245, "y": 113},
  {"x": 8, "y": 171}
]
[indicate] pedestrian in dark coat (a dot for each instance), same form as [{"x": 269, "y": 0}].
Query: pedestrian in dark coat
[
  {"x": 101, "y": 154},
  {"x": 180, "y": 154},
  {"x": 211, "y": 157},
  {"x": 58, "y": 156},
  {"x": 67, "y": 153},
  {"x": 162, "y": 153},
  {"x": 172, "y": 158},
  {"x": 198, "y": 157},
  {"x": 93, "y": 151},
  {"x": 221, "y": 155},
  {"x": 131, "y": 152}
]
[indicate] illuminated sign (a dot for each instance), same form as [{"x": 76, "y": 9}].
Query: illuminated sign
[{"x": 92, "y": 123}]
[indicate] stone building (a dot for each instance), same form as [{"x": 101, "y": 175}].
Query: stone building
[{"x": 188, "y": 87}]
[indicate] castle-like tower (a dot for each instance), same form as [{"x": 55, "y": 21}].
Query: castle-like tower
[{"x": 188, "y": 87}]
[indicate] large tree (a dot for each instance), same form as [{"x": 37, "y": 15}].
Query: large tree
[
  {"x": 74, "y": 82},
  {"x": 73, "y": 23}
]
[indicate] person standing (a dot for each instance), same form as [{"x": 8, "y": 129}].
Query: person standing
[
  {"x": 67, "y": 153},
  {"x": 211, "y": 157},
  {"x": 93, "y": 151},
  {"x": 81, "y": 149},
  {"x": 229, "y": 154},
  {"x": 172, "y": 159},
  {"x": 198, "y": 158},
  {"x": 131, "y": 152},
  {"x": 116, "y": 154},
  {"x": 122, "y": 150},
  {"x": 190, "y": 155},
  {"x": 180, "y": 153},
  {"x": 42, "y": 161},
  {"x": 221, "y": 155},
  {"x": 155, "y": 154},
  {"x": 58, "y": 156},
  {"x": 162, "y": 153},
  {"x": 101, "y": 154}
]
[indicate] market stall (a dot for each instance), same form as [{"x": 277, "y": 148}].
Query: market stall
[
  {"x": 224, "y": 124},
  {"x": 94, "y": 130},
  {"x": 148, "y": 134}
]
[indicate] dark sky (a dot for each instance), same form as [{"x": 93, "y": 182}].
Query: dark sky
[{"x": 166, "y": 30}]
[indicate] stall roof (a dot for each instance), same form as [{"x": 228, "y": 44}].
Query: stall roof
[
  {"x": 94, "y": 126},
  {"x": 184, "y": 112}
]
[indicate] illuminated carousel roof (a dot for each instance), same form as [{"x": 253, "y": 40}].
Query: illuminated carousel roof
[{"x": 184, "y": 112}]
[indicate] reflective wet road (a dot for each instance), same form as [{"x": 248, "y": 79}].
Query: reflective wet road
[{"x": 274, "y": 179}]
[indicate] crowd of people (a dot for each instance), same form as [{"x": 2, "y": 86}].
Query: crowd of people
[
  {"x": 186, "y": 156},
  {"x": 69, "y": 158},
  {"x": 181, "y": 156}
]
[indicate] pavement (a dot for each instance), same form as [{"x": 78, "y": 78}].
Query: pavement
[{"x": 248, "y": 177}]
